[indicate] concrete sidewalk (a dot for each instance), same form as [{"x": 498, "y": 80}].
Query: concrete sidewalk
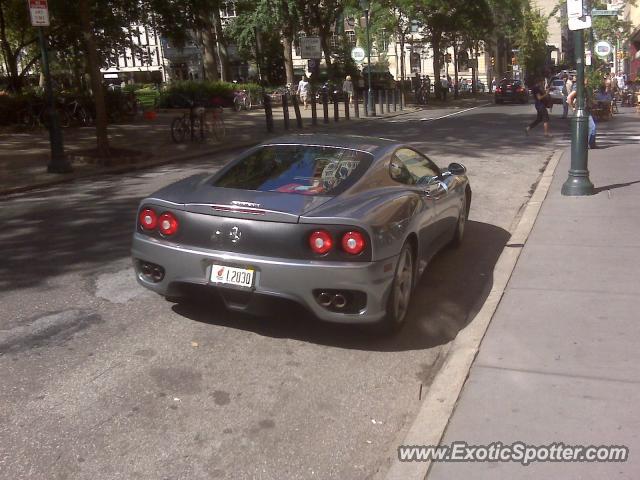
[
  {"x": 560, "y": 360},
  {"x": 25, "y": 154}
]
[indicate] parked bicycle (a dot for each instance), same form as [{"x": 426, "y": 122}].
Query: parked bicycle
[
  {"x": 76, "y": 113},
  {"x": 197, "y": 123},
  {"x": 242, "y": 100},
  {"x": 36, "y": 114}
]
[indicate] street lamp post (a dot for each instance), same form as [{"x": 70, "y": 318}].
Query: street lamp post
[
  {"x": 578, "y": 182},
  {"x": 364, "y": 4}
]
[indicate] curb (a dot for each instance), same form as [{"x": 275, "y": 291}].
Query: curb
[{"x": 437, "y": 408}]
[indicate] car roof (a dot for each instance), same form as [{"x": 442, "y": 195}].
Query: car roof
[{"x": 373, "y": 145}]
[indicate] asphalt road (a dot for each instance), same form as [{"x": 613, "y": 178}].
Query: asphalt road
[{"x": 104, "y": 380}]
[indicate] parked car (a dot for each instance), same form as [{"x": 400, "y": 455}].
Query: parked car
[
  {"x": 555, "y": 90},
  {"x": 511, "y": 91},
  {"x": 342, "y": 225}
]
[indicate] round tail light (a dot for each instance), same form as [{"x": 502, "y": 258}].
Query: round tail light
[
  {"x": 353, "y": 243},
  {"x": 320, "y": 241},
  {"x": 148, "y": 219},
  {"x": 167, "y": 224}
]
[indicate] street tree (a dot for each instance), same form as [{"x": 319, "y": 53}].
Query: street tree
[
  {"x": 17, "y": 42},
  {"x": 531, "y": 40}
]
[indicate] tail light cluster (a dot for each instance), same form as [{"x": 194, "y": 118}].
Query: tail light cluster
[
  {"x": 166, "y": 223},
  {"x": 351, "y": 242}
]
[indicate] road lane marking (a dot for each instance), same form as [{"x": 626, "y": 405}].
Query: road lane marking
[{"x": 453, "y": 114}]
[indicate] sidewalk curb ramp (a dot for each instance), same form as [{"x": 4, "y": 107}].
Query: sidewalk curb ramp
[{"x": 440, "y": 401}]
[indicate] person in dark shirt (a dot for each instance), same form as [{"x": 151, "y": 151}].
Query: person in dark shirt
[{"x": 542, "y": 115}]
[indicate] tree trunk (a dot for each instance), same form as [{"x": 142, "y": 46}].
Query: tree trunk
[
  {"x": 102, "y": 137},
  {"x": 326, "y": 49},
  {"x": 287, "y": 45},
  {"x": 436, "y": 38},
  {"x": 223, "y": 52},
  {"x": 403, "y": 67},
  {"x": 455, "y": 68},
  {"x": 209, "y": 56}
]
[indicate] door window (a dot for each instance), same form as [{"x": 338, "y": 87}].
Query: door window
[{"x": 411, "y": 168}]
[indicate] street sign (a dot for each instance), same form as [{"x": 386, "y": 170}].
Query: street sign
[
  {"x": 39, "y": 12},
  {"x": 580, "y": 23},
  {"x": 310, "y": 47},
  {"x": 604, "y": 13},
  {"x": 358, "y": 54},
  {"x": 575, "y": 9},
  {"x": 603, "y": 49}
]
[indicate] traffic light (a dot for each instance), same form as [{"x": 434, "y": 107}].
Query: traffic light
[{"x": 493, "y": 61}]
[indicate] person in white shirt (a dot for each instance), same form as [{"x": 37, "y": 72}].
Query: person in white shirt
[
  {"x": 303, "y": 91},
  {"x": 347, "y": 88},
  {"x": 621, "y": 81},
  {"x": 445, "y": 88}
]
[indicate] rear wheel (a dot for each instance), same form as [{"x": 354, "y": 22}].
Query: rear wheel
[
  {"x": 179, "y": 129},
  {"x": 400, "y": 296}
]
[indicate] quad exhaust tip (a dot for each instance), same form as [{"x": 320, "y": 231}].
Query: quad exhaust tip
[{"x": 332, "y": 300}]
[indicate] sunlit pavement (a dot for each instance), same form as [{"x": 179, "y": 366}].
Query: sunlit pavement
[{"x": 103, "y": 379}]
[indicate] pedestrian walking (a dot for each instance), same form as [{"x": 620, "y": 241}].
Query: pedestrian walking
[
  {"x": 542, "y": 115},
  {"x": 565, "y": 93},
  {"x": 444, "y": 84},
  {"x": 347, "y": 88},
  {"x": 303, "y": 91},
  {"x": 588, "y": 104}
]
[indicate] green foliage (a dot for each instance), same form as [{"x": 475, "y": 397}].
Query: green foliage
[
  {"x": 532, "y": 43},
  {"x": 179, "y": 94}
]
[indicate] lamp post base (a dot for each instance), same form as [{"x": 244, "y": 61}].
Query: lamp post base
[{"x": 577, "y": 184}]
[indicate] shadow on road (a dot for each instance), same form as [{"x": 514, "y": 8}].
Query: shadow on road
[{"x": 448, "y": 295}]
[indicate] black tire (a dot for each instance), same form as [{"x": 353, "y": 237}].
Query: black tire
[
  {"x": 400, "y": 295},
  {"x": 237, "y": 104},
  {"x": 179, "y": 129},
  {"x": 247, "y": 103},
  {"x": 458, "y": 235}
]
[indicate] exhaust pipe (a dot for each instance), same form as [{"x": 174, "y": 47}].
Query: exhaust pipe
[
  {"x": 325, "y": 299},
  {"x": 339, "y": 301}
]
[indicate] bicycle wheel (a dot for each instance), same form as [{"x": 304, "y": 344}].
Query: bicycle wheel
[
  {"x": 237, "y": 104},
  {"x": 26, "y": 119},
  {"x": 218, "y": 127},
  {"x": 247, "y": 102},
  {"x": 179, "y": 129}
]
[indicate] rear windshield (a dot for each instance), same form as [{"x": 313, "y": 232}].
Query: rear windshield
[
  {"x": 297, "y": 169},
  {"x": 558, "y": 83}
]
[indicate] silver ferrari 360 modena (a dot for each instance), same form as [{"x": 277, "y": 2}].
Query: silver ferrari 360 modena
[{"x": 342, "y": 225}]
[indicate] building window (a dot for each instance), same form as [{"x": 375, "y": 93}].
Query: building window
[
  {"x": 228, "y": 9},
  {"x": 351, "y": 36}
]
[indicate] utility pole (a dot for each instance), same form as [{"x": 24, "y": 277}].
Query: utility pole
[
  {"x": 365, "y": 5},
  {"x": 578, "y": 182},
  {"x": 39, "y": 13}
]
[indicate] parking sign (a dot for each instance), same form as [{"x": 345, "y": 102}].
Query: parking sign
[{"x": 39, "y": 12}]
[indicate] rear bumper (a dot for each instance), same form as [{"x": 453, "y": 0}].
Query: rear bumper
[{"x": 293, "y": 280}]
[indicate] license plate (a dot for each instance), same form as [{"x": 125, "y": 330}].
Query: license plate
[{"x": 239, "y": 277}]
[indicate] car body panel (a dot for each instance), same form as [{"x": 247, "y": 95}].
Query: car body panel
[{"x": 268, "y": 232}]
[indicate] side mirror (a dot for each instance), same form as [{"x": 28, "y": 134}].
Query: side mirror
[{"x": 457, "y": 168}]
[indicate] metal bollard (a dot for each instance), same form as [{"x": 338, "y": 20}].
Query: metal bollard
[
  {"x": 395, "y": 100},
  {"x": 386, "y": 100},
  {"x": 356, "y": 104},
  {"x": 380, "y": 101},
  {"x": 365, "y": 102},
  {"x": 296, "y": 109},
  {"x": 401, "y": 99},
  {"x": 325, "y": 106},
  {"x": 268, "y": 112},
  {"x": 285, "y": 110},
  {"x": 346, "y": 107},
  {"x": 336, "y": 111},
  {"x": 314, "y": 112}
]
